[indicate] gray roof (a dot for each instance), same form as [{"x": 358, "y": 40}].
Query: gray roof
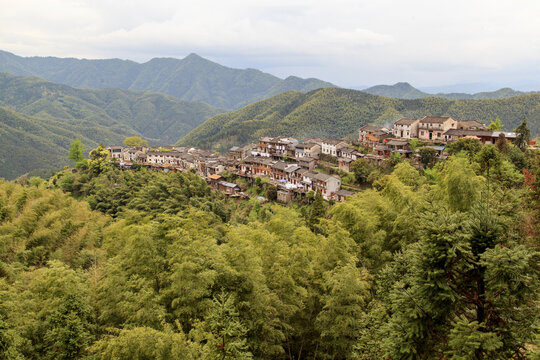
[
  {"x": 510, "y": 135},
  {"x": 343, "y": 192},
  {"x": 396, "y": 142},
  {"x": 333, "y": 141},
  {"x": 404, "y": 121},
  {"x": 280, "y": 165},
  {"x": 371, "y": 128},
  {"x": 228, "y": 184},
  {"x": 434, "y": 119},
  {"x": 292, "y": 168},
  {"x": 459, "y": 132}
]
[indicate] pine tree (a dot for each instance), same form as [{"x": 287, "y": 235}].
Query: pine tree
[
  {"x": 523, "y": 136},
  {"x": 227, "y": 339},
  {"x": 318, "y": 211},
  {"x": 466, "y": 292}
]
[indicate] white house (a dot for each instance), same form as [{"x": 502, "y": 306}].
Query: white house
[
  {"x": 331, "y": 146},
  {"x": 406, "y": 128}
]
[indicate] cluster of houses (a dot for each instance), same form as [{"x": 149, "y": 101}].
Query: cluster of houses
[
  {"x": 432, "y": 129},
  {"x": 290, "y": 164}
]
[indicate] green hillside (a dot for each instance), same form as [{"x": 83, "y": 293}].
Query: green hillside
[
  {"x": 192, "y": 78},
  {"x": 40, "y": 146},
  {"x": 153, "y": 116},
  {"x": 339, "y": 112},
  {"x": 403, "y": 90}
]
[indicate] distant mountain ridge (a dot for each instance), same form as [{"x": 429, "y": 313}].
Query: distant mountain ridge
[
  {"x": 404, "y": 90},
  {"x": 335, "y": 112},
  {"x": 192, "y": 78}
]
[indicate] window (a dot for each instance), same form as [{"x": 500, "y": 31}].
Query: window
[
  {"x": 438, "y": 134},
  {"x": 421, "y": 133}
]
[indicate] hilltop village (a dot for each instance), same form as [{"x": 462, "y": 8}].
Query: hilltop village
[{"x": 295, "y": 167}]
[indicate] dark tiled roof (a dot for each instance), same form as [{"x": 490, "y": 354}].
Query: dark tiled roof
[
  {"x": 459, "y": 132},
  {"x": 434, "y": 119},
  {"x": 395, "y": 142},
  {"x": 333, "y": 141},
  {"x": 371, "y": 128},
  {"x": 404, "y": 121}
]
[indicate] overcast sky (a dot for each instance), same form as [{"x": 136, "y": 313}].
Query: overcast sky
[{"x": 347, "y": 42}]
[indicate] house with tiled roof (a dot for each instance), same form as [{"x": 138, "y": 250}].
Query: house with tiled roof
[
  {"x": 432, "y": 128},
  {"x": 331, "y": 146},
  {"x": 370, "y": 134},
  {"x": 405, "y": 128}
]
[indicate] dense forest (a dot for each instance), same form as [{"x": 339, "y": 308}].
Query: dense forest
[
  {"x": 192, "y": 79},
  {"x": 439, "y": 263},
  {"x": 338, "y": 113}
]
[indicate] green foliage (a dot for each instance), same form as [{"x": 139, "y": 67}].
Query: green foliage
[
  {"x": 76, "y": 151},
  {"x": 135, "y": 141},
  {"x": 495, "y": 125},
  {"x": 336, "y": 113},
  {"x": 414, "y": 144},
  {"x": 469, "y": 146},
  {"x": 143, "y": 343},
  {"x": 429, "y": 264},
  {"x": 318, "y": 211},
  {"x": 224, "y": 333},
  {"x": 361, "y": 169},
  {"x": 271, "y": 192},
  {"x": 523, "y": 136},
  {"x": 427, "y": 156}
]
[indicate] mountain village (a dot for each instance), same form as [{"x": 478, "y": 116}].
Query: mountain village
[{"x": 290, "y": 165}]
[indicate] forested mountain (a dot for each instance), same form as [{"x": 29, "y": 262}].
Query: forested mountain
[
  {"x": 40, "y": 145},
  {"x": 440, "y": 263},
  {"x": 192, "y": 78},
  {"x": 43, "y": 118},
  {"x": 403, "y": 90},
  {"x": 338, "y": 112}
]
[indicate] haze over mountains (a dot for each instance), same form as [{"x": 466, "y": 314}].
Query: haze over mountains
[
  {"x": 404, "y": 90},
  {"x": 192, "y": 78}
]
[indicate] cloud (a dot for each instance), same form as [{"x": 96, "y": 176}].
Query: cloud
[{"x": 345, "y": 41}]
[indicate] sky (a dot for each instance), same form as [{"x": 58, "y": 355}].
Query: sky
[{"x": 358, "y": 43}]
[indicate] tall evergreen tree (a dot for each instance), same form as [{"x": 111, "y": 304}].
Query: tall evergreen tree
[
  {"x": 318, "y": 211},
  {"x": 523, "y": 136}
]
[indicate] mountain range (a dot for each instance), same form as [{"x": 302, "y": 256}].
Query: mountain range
[
  {"x": 192, "y": 78},
  {"x": 40, "y": 119},
  {"x": 404, "y": 90},
  {"x": 334, "y": 112}
]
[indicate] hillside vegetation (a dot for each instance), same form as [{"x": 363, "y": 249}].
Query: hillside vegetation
[
  {"x": 39, "y": 119},
  {"x": 435, "y": 264},
  {"x": 403, "y": 90},
  {"x": 192, "y": 78},
  {"x": 338, "y": 112},
  {"x": 40, "y": 146},
  {"x": 154, "y": 116}
]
